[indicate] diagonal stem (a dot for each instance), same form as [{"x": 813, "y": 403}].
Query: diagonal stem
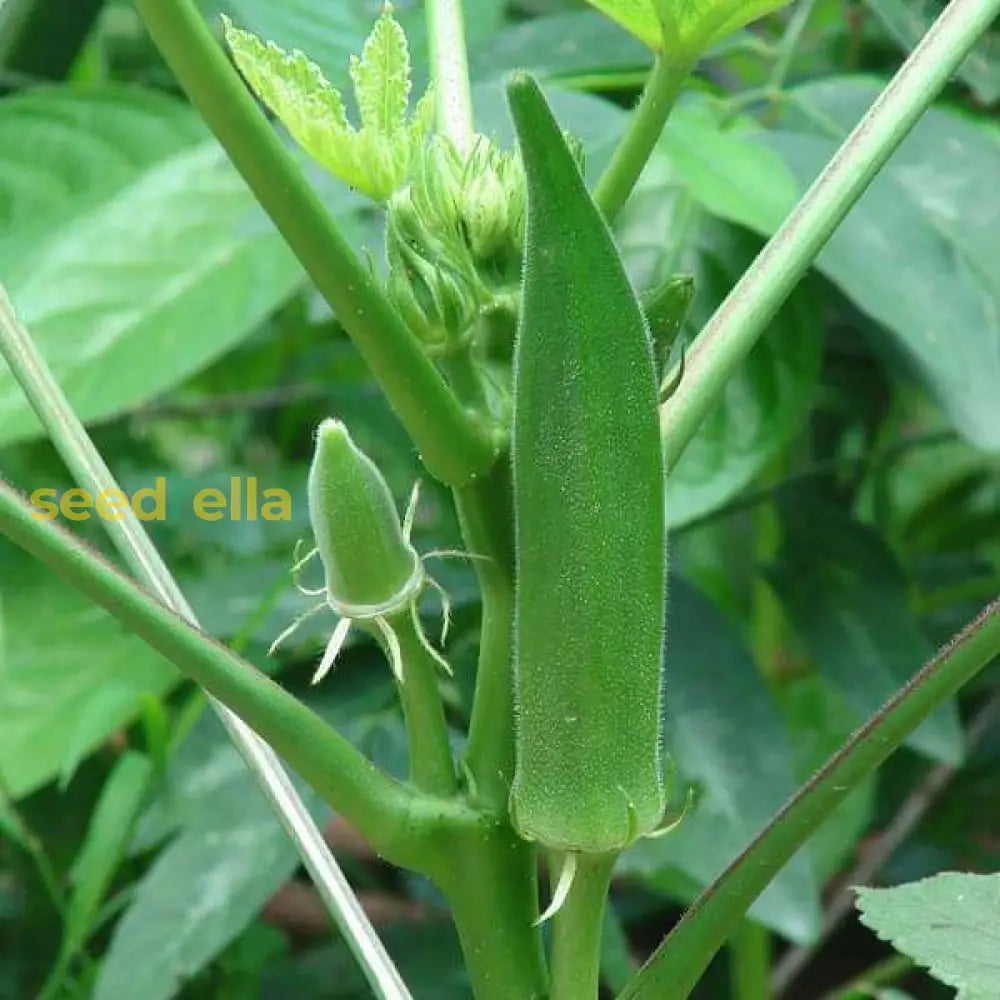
[
  {"x": 453, "y": 446},
  {"x": 90, "y": 471},
  {"x": 679, "y": 962},
  {"x": 731, "y": 333}
]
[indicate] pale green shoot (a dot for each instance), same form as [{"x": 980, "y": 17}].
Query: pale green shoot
[{"x": 375, "y": 158}]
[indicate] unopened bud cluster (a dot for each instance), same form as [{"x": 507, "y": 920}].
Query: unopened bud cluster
[{"x": 454, "y": 236}]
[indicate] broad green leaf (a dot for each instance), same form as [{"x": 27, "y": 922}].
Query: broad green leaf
[
  {"x": 726, "y": 736},
  {"x": 133, "y": 252},
  {"x": 588, "y": 496},
  {"x": 907, "y": 21},
  {"x": 918, "y": 251},
  {"x": 117, "y": 810},
  {"x": 948, "y": 923},
  {"x": 229, "y": 854},
  {"x": 376, "y": 158},
  {"x": 687, "y": 27},
  {"x": 846, "y": 599},
  {"x": 663, "y": 230},
  {"x": 199, "y": 893},
  {"x": 55, "y": 666}
]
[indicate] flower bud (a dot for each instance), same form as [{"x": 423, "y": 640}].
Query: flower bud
[
  {"x": 432, "y": 280},
  {"x": 367, "y": 560}
]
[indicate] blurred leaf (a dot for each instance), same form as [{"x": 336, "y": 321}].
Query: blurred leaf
[
  {"x": 571, "y": 44},
  {"x": 947, "y": 923},
  {"x": 727, "y": 738},
  {"x": 200, "y": 892},
  {"x": 663, "y": 231},
  {"x": 57, "y": 664},
  {"x": 230, "y": 854},
  {"x": 132, "y": 250},
  {"x": 122, "y": 797},
  {"x": 907, "y": 21},
  {"x": 846, "y": 599},
  {"x": 918, "y": 252},
  {"x": 89, "y": 725}
]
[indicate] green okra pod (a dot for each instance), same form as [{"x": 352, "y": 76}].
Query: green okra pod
[{"x": 589, "y": 499}]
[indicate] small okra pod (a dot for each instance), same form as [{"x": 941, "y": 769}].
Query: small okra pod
[
  {"x": 367, "y": 559},
  {"x": 372, "y": 573},
  {"x": 589, "y": 519}
]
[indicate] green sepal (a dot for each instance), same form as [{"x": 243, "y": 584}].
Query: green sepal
[
  {"x": 589, "y": 519},
  {"x": 666, "y": 308},
  {"x": 368, "y": 562}
]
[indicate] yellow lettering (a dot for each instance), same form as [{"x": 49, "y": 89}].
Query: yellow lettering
[
  {"x": 206, "y": 498},
  {"x": 281, "y": 501},
  {"x": 75, "y": 504}
]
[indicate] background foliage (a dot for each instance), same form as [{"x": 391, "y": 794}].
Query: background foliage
[{"x": 835, "y": 517}]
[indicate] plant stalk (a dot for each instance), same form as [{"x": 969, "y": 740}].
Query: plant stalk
[
  {"x": 452, "y": 447},
  {"x": 750, "y": 962},
  {"x": 576, "y": 932},
  {"x": 486, "y": 517},
  {"x": 679, "y": 962},
  {"x": 731, "y": 333},
  {"x": 129, "y": 537},
  {"x": 491, "y": 884},
  {"x": 431, "y": 765},
  {"x": 632, "y": 153},
  {"x": 450, "y": 71}
]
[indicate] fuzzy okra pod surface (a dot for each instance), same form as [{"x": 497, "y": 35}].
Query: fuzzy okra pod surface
[{"x": 589, "y": 519}]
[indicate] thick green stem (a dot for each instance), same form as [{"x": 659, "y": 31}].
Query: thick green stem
[
  {"x": 678, "y": 964},
  {"x": 658, "y": 98},
  {"x": 576, "y": 933},
  {"x": 750, "y": 962},
  {"x": 737, "y": 324},
  {"x": 452, "y": 447},
  {"x": 391, "y": 815},
  {"x": 431, "y": 765},
  {"x": 450, "y": 71},
  {"x": 486, "y": 517},
  {"x": 491, "y": 883}
]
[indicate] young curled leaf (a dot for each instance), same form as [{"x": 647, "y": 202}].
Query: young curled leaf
[
  {"x": 375, "y": 158},
  {"x": 589, "y": 519}
]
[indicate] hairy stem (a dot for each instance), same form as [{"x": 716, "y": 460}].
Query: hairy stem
[
  {"x": 450, "y": 71},
  {"x": 678, "y": 963},
  {"x": 486, "y": 517},
  {"x": 452, "y": 447},
  {"x": 576, "y": 932},
  {"x": 431, "y": 765},
  {"x": 739, "y": 321},
  {"x": 491, "y": 883},
  {"x": 390, "y": 815},
  {"x": 658, "y": 98}
]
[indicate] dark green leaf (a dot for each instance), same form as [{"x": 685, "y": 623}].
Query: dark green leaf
[
  {"x": 846, "y": 599},
  {"x": 727, "y": 738}
]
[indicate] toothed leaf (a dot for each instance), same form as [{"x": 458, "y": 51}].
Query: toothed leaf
[{"x": 382, "y": 78}]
